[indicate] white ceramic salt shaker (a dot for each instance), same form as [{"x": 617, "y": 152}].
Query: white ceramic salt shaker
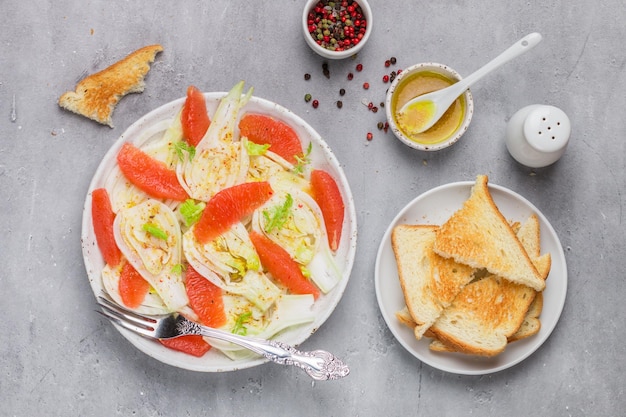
[{"x": 537, "y": 135}]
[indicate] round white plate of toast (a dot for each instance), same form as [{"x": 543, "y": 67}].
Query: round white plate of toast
[{"x": 434, "y": 207}]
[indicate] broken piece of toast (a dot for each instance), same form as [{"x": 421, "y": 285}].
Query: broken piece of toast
[{"x": 96, "y": 95}]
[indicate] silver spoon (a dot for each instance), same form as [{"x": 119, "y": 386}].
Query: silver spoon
[{"x": 422, "y": 112}]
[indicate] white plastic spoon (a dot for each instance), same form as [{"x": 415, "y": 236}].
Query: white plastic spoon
[{"x": 422, "y": 112}]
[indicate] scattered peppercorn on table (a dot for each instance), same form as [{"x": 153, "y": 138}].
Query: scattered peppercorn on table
[{"x": 60, "y": 358}]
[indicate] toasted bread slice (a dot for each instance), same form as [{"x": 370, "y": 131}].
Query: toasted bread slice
[
  {"x": 478, "y": 338},
  {"x": 480, "y": 319},
  {"x": 429, "y": 282},
  {"x": 405, "y": 318},
  {"x": 530, "y": 327},
  {"x": 529, "y": 236},
  {"x": 437, "y": 345},
  {"x": 478, "y": 235},
  {"x": 97, "y": 95},
  {"x": 531, "y": 324},
  {"x": 489, "y": 312}
]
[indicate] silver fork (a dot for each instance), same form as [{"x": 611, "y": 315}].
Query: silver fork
[{"x": 318, "y": 364}]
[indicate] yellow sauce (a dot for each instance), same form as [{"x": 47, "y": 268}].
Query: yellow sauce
[
  {"x": 416, "y": 116},
  {"x": 422, "y": 83}
]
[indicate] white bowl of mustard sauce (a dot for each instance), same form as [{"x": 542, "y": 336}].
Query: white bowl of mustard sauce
[{"x": 421, "y": 79}]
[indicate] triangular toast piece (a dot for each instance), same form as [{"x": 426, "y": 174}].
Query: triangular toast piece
[
  {"x": 405, "y": 318},
  {"x": 531, "y": 324},
  {"x": 529, "y": 235},
  {"x": 484, "y": 315},
  {"x": 96, "y": 96},
  {"x": 478, "y": 235},
  {"x": 429, "y": 282},
  {"x": 489, "y": 313},
  {"x": 529, "y": 327}
]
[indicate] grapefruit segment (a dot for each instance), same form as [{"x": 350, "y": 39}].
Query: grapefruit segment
[
  {"x": 327, "y": 195},
  {"x": 281, "y": 266},
  {"x": 132, "y": 287},
  {"x": 205, "y": 298},
  {"x": 102, "y": 217},
  {"x": 148, "y": 174},
  {"x": 191, "y": 344},
  {"x": 228, "y": 207},
  {"x": 194, "y": 117},
  {"x": 262, "y": 129}
]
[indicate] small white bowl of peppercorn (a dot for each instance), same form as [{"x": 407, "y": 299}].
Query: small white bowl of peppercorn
[{"x": 337, "y": 29}]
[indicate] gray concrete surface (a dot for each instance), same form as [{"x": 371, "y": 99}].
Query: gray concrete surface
[{"x": 59, "y": 358}]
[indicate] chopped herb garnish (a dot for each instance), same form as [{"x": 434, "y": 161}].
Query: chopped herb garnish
[
  {"x": 155, "y": 231},
  {"x": 255, "y": 149},
  {"x": 178, "y": 269},
  {"x": 191, "y": 211},
  {"x": 303, "y": 160},
  {"x": 277, "y": 216},
  {"x": 305, "y": 271},
  {"x": 239, "y": 327},
  {"x": 239, "y": 265},
  {"x": 182, "y": 146},
  {"x": 304, "y": 252}
]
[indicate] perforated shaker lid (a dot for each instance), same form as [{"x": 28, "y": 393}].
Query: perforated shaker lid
[{"x": 547, "y": 128}]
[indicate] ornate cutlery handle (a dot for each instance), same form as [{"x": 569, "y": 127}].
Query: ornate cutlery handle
[{"x": 318, "y": 364}]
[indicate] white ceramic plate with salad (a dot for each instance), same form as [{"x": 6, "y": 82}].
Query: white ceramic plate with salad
[
  {"x": 152, "y": 126},
  {"x": 435, "y": 207}
]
